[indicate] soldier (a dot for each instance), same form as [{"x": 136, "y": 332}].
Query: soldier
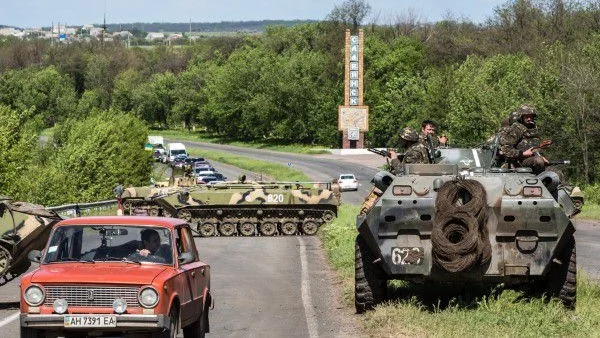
[
  {"x": 414, "y": 151},
  {"x": 337, "y": 191},
  {"x": 520, "y": 143},
  {"x": 428, "y": 127}
]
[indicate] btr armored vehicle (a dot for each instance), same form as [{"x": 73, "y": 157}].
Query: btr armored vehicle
[{"x": 459, "y": 221}]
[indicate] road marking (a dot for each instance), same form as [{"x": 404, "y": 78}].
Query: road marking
[
  {"x": 9, "y": 319},
  {"x": 309, "y": 310}
]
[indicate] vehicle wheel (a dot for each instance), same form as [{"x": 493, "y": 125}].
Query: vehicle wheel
[
  {"x": 247, "y": 229},
  {"x": 5, "y": 260},
  {"x": 207, "y": 229},
  {"x": 197, "y": 328},
  {"x": 289, "y": 228},
  {"x": 370, "y": 285},
  {"x": 27, "y": 332},
  {"x": 267, "y": 228},
  {"x": 171, "y": 332},
  {"x": 226, "y": 229},
  {"x": 185, "y": 215},
  {"x": 562, "y": 278},
  {"x": 328, "y": 216},
  {"x": 310, "y": 227}
]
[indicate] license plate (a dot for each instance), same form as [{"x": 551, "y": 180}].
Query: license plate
[
  {"x": 407, "y": 255},
  {"x": 90, "y": 321}
]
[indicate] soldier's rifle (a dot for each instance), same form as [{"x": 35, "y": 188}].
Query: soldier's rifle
[
  {"x": 431, "y": 152},
  {"x": 383, "y": 153},
  {"x": 538, "y": 146}
]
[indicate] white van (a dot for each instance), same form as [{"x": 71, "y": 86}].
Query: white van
[{"x": 174, "y": 149}]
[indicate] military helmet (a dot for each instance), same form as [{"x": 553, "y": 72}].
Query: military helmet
[
  {"x": 525, "y": 109},
  {"x": 409, "y": 134}
]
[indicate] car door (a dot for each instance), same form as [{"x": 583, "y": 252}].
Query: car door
[{"x": 195, "y": 274}]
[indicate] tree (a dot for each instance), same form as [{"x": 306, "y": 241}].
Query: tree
[{"x": 350, "y": 12}]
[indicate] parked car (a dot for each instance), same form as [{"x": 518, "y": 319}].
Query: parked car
[
  {"x": 117, "y": 276},
  {"x": 158, "y": 154},
  {"x": 348, "y": 182},
  {"x": 179, "y": 161}
]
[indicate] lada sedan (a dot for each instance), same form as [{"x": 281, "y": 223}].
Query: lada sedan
[{"x": 125, "y": 276}]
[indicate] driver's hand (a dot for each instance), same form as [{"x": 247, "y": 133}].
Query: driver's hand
[{"x": 144, "y": 252}]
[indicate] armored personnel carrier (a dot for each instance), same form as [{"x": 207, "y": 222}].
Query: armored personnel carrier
[
  {"x": 246, "y": 209},
  {"x": 23, "y": 227},
  {"x": 460, "y": 221}
]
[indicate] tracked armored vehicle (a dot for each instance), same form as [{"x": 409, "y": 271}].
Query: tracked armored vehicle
[
  {"x": 23, "y": 227},
  {"x": 246, "y": 209},
  {"x": 461, "y": 221}
]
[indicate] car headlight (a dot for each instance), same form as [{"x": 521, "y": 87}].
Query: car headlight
[
  {"x": 148, "y": 297},
  {"x": 119, "y": 305},
  {"x": 60, "y": 305},
  {"x": 34, "y": 295}
]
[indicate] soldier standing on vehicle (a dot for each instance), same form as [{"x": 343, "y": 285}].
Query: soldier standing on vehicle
[
  {"x": 337, "y": 191},
  {"x": 520, "y": 143},
  {"x": 428, "y": 127}
]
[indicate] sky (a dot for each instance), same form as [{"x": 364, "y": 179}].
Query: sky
[{"x": 38, "y": 13}]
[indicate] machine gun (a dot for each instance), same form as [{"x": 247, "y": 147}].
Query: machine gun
[{"x": 383, "y": 153}]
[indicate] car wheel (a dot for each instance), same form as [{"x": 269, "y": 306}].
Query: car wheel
[
  {"x": 171, "y": 332},
  {"x": 27, "y": 332},
  {"x": 198, "y": 328}
]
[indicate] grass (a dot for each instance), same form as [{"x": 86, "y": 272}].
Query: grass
[
  {"x": 474, "y": 310},
  {"x": 590, "y": 211},
  {"x": 277, "y": 171},
  {"x": 203, "y": 137}
]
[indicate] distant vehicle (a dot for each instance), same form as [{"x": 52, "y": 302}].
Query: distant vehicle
[
  {"x": 203, "y": 165},
  {"x": 201, "y": 174},
  {"x": 115, "y": 282},
  {"x": 193, "y": 160},
  {"x": 159, "y": 154},
  {"x": 348, "y": 182},
  {"x": 174, "y": 149},
  {"x": 156, "y": 141},
  {"x": 204, "y": 171},
  {"x": 179, "y": 161},
  {"x": 208, "y": 179}
]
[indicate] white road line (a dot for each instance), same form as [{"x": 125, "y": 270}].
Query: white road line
[
  {"x": 9, "y": 319},
  {"x": 309, "y": 310}
]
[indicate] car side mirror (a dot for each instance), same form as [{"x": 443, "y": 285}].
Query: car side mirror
[
  {"x": 35, "y": 256},
  {"x": 185, "y": 258}
]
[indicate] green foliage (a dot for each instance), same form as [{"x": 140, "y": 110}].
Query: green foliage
[
  {"x": 486, "y": 91},
  {"x": 90, "y": 157},
  {"x": 45, "y": 91},
  {"x": 17, "y": 141}
]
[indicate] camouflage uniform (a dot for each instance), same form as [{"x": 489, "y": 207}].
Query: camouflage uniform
[
  {"x": 417, "y": 153},
  {"x": 409, "y": 138},
  {"x": 514, "y": 140}
]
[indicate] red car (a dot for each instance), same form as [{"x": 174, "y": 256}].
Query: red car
[{"x": 117, "y": 275}]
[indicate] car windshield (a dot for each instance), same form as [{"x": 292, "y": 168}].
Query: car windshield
[
  {"x": 101, "y": 243},
  {"x": 346, "y": 177},
  {"x": 178, "y": 152}
]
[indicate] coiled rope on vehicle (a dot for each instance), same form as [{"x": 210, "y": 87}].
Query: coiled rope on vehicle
[{"x": 460, "y": 236}]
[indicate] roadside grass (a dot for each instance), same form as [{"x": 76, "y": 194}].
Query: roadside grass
[
  {"x": 276, "y": 171},
  {"x": 204, "y": 137},
  {"x": 590, "y": 211},
  {"x": 473, "y": 310}
]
